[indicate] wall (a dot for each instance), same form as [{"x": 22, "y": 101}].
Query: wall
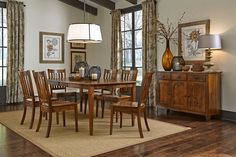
[
  {"x": 222, "y": 16},
  {"x": 55, "y": 16}
]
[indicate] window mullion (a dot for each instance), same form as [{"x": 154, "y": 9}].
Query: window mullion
[{"x": 133, "y": 39}]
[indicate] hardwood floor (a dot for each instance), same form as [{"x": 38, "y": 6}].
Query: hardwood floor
[{"x": 206, "y": 139}]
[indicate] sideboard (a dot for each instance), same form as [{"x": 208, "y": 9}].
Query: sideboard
[{"x": 192, "y": 92}]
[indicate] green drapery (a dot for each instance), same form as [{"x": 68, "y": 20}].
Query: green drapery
[
  {"x": 149, "y": 45},
  {"x": 15, "y": 60}
]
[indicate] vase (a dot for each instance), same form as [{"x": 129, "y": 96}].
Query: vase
[
  {"x": 178, "y": 63},
  {"x": 167, "y": 57}
]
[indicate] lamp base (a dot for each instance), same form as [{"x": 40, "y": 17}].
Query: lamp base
[{"x": 208, "y": 66}]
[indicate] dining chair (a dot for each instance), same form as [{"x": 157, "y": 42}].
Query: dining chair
[
  {"x": 85, "y": 65},
  {"x": 92, "y": 70},
  {"x": 60, "y": 90},
  {"x": 134, "y": 107},
  {"x": 29, "y": 98},
  {"x": 108, "y": 74},
  {"x": 121, "y": 94},
  {"x": 49, "y": 106}
]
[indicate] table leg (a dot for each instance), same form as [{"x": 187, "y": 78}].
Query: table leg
[{"x": 91, "y": 108}]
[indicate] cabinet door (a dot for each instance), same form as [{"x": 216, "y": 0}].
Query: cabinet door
[
  {"x": 179, "y": 94},
  {"x": 164, "y": 92},
  {"x": 197, "y": 96}
]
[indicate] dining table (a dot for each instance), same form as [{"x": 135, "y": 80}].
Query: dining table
[{"x": 91, "y": 85}]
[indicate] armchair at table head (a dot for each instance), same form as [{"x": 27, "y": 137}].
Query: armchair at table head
[
  {"x": 83, "y": 64},
  {"x": 94, "y": 72}
]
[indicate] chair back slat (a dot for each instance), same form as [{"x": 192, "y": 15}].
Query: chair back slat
[
  {"x": 42, "y": 87},
  {"x": 26, "y": 84},
  {"x": 57, "y": 74},
  {"x": 145, "y": 87}
]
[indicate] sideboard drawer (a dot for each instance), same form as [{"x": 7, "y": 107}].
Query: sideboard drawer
[
  {"x": 179, "y": 76},
  {"x": 163, "y": 76},
  {"x": 197, "y": 77}
]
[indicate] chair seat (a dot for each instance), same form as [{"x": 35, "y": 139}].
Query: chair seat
[
  {"x": 60, "y": 103},
  {"x": 129, "y": 104},
  {"x": 116, "y": 98}
]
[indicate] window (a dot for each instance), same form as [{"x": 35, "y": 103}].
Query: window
[
  {"x": 3, "y": 44},
  {"x": 131, "y": 29}
]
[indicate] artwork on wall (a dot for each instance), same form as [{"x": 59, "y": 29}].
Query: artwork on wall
[
  {"x": 188, "y": 34},
  {"x": 77, "y": 45},
  {"x": 51, "y": 47},
  {"x": 77, "y": 56}
]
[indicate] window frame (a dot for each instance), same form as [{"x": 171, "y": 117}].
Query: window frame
[
  {"x": 133, "y": 49},
  {"x": 2, "y": 46}
]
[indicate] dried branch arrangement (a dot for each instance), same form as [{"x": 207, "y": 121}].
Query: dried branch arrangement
[{"x": 167, "y": 32}]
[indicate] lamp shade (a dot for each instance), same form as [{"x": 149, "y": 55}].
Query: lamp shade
[
  {"x": 84, "y": 33},
  {"x": 211, "y": 41}
]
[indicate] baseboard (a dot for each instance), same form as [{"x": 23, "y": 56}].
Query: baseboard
[{"x": 228, "y": 115}]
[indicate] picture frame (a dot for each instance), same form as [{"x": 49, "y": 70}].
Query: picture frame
[
  {"x": 77, "y": 56},
  {"x": 77, "y": 45},
  {"x": 51, "y": 47},
  {"x": 188, "y": 34}
]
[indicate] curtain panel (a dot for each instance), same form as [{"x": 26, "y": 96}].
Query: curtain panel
[
  {"x": 15, "y": 60},
  {"x": 116, "y": 40},
  {"x": 149, "y": 43}
]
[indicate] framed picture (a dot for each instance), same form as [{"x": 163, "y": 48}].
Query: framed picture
[
  {"x": 77, "y": 45},
  {"x": 51, "y": 47},
  {"x": 188, "y": 34},
  {"x": 77, "y": 56}
]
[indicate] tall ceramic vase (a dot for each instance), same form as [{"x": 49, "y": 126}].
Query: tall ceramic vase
[{"x": 167, "y": 57}]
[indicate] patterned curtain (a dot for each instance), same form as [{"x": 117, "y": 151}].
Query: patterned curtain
[
  {"x": 116, "y": 40},
  {"x": 149, "y": 44},
  {"x": 15, "y": 60}
]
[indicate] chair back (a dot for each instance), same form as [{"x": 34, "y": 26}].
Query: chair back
[
  {"x": 128, "y": 75},
  {"x": 109, "y": 74},
  {"x": 42, "y": 87},
  {"x": 26, "y": 85},
  {"x": 95, "y": 70},
  {"x": 145, "y": 87},
  {"x": 57, "y": 74}
]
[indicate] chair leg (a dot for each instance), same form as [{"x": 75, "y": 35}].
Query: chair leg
[
  {"x": 121, "y": 116},
  {"x": 97, "y": 104},
  {"x": 57, "y": 117},
  {"x": 132, "y": 119},
  {"x": 76, "y": 118},
  {"x": 139, "y": 124},
  {"x": 49, "y": 124},
  {"x": 145, "y": 119},
  {"x": 81, "y": 103},
  {"x": 23, "y": 117},
  {"x": 116, "y": 117},
  {"x": 103, "y": 105},
  {"x": 40, "y": 120},
  {"x": 32, "y": 117},
  {"x": 85, "y": 103},
  {"x": 64, "y": 118},
  {"x": 111, "y": 120}
]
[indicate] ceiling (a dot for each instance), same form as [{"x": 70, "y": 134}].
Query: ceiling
[{"x": 109, "y": 4}]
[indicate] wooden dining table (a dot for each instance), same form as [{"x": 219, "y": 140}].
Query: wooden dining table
[{"x": 91, "y": 86}]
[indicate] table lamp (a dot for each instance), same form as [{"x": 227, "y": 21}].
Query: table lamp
[{"x": 209, "y": 42}]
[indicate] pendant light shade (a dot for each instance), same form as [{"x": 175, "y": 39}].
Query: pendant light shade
[{"x": 84, "y": 33}]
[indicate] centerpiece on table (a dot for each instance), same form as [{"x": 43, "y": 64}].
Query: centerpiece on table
[{"x": 165, "y": 33}]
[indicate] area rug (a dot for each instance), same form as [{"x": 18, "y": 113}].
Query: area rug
[{"x": 65, "y": 142}]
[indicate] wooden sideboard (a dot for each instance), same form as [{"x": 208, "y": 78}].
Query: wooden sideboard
[{"x": 192, "y": 92}]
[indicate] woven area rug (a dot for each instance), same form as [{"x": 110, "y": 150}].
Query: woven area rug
[{"x": 65, "y": 142}]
